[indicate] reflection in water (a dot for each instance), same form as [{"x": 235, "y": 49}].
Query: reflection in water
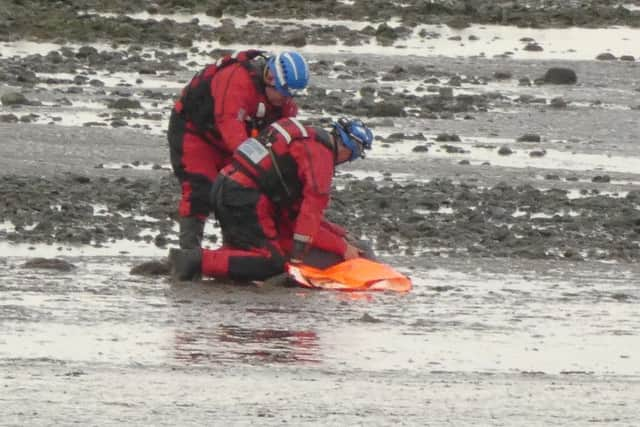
[{"x": 232, "y": 343}]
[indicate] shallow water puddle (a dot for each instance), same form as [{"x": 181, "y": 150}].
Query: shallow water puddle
[
  {"x": 541, "y": 319},
  {"x": 478, "y": 150},
  {"x": 569, "y": 43},
  {"x": 490, "y": 40}
]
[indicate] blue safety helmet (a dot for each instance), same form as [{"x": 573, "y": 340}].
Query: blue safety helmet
[
  {"x": 290, "y": 72},
  {"x": 354, "y": 135}
]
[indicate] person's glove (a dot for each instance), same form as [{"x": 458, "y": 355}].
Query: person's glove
[
  {"x": 362, "y": 246},
  {"x": 351, "y": 252},
  {"x": 300, "y": 248}
]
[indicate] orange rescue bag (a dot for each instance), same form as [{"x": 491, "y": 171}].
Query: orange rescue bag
[{"x": 358, "y": 274}]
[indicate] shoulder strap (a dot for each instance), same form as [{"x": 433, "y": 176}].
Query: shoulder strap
[
  {"x": 290, "y": 129},
  {"x": 324, "y": 138}
]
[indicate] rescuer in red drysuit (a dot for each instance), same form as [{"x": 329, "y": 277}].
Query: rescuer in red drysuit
[
  {"x": 221, "y": 106},
  {"x": 270, "y": 202}
]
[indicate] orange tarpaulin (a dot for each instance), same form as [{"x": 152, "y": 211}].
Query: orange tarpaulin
[{"x": 358, "y": 274}]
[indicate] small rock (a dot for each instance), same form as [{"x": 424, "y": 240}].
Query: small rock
[
  {"x": 558, "y": 103},
  {"x": 573, "y": 255},
  {"x": 606, "y": 57},
  {"x": 152, "y": 268},
  {"x": 49, "y": 264},
  {"x": 8, "y": 118},
  {"x": 502, "y": 75},
  {"x": 538, "y": 153},
  {"x": 124, "y": 104},
  {"x": 529, "y": 137},
  {"x": 81, "y": 179},
  {"x": 298, "y": 40},
  {"x": 445, "y": 137},
  {"x": 524, "y": 81},
  {"x": 86, "y": 51},
  {"x": 388, "y": 109},
  {"x": 452, "y": 149},
  {"x": 446, "y": 92},
  {"x": 14, "y": 98},
  {"x": 560, "y": 76},
  {"x": 533, "y": 47},
  {"x": 505, "y": 151},
  {"x": 367, "y": 318}
]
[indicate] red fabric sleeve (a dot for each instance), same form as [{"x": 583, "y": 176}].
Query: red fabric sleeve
[
  {"x": 334, "y": 228},
  {"x": 329, "y": 240},
  {"x": 315, "y": 171},
  {"x": 234, "y": 93}
]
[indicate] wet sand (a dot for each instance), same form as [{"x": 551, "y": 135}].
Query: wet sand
[
  {"x": 507, "y": 344},
  {"x": 513, "y": 204}
]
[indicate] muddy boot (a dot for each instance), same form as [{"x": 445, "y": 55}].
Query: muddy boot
[
  {"x": 185, "y": 263},
  {"x": 191, "y": 230},
  {"x": 366, "y": 249},
  {"x": 277, "y": 281}
]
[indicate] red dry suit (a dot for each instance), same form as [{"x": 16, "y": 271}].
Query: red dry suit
[
  {"x": 216, "y": 112},
  {"x": 270, "y": 203}
]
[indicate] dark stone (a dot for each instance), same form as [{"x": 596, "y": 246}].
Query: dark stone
[
  {"x": 14, "y": 98},
  {"x": 524, "y": 81},
  {"x": 558, "y": 103},
  {"x": 390, "y": 109},
  {"x": 86, "y": 51},
  {"x": 445, "y": 137},
  {"x": 533, "y": 47},
  {"x": 298, "y": 39},
  {"x": 8, "y": 118},
  {"x": 502, "y": 75},
  {"x": 49, "y": 264},
  {"x": 606, "y": 57},
  {"x": 367, "y": 318},
  {"x": 80, "y": 179},
  {"x": 446, "y": 92},
  {"x": 529, "y": 137},
  {"x": 385, "y": 34},
  {"x": 124, "y": 104},
  {"x": 538, "y": 153},
  {"x": 560, "y": 76},
  {"x": 152, "y": 268},
  {"x": 601, "y": 179},
  {"x": 452, "y": 149},
  {"x": 505, "y": 151}
]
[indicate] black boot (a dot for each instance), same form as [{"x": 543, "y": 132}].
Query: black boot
[
  {"x": 366, "y": 250},
  {"x": 186, "y": 264},
  {"x": 191, "y": 230}
]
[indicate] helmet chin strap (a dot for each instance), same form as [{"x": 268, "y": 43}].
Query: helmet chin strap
[{"x": 335, "y": 137}]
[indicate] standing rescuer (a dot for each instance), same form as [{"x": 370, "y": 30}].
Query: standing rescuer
[
  {"x": 270, "y": 202},
  {"x": 221, "y": 107}
]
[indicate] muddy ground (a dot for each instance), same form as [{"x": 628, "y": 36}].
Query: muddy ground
[{"x": 525, "y": 307}]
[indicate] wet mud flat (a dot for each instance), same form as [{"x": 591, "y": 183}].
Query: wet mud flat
[
  {"x": 512, "y": 343},
  {"x": 510, "y": 197}
]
